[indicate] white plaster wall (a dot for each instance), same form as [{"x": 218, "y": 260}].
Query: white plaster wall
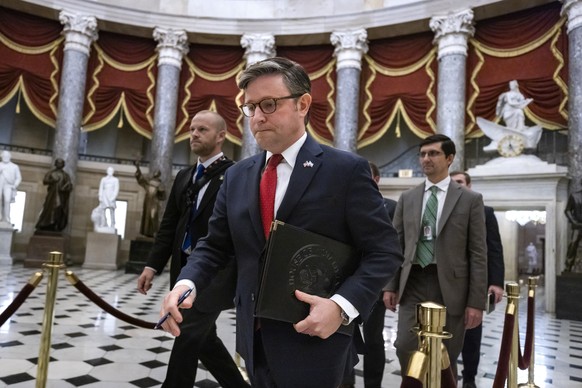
[{"x": 280, "y": 17}]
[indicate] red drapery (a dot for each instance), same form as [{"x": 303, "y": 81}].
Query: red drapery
[
  {"x": 528, "y": 46},
  {"x": 398, "y": 84},
  {"x": 121, "y": 77},
  {"x": 398, "y": 80},
  {"x": 30, "y": 58}
]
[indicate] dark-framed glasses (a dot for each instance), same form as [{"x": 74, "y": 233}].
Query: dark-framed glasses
[
  {"x": 267, "y": 105},
  {"x": 431, "y": 154}
]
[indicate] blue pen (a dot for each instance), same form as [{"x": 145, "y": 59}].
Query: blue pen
[{"x": 180, "y": 300}]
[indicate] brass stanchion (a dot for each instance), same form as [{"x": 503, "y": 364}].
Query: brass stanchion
[
  {"x": 532, "y": 283},
  {"x": 53, "y": 266},
  {"x": 512, "y": 290},
  {"x": 431, "y": 318}
]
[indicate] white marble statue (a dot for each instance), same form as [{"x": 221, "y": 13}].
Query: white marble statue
[
  {"x": 10, "y": 178},
  {"x": 108, "y": 191},
  {"x": 510, "y": 107}
]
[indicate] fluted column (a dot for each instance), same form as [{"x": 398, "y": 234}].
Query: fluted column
[
  {"x": 451, "y": 34},
  {"x": 171, "y": 48},
  {"x": 573, "y": 10},
  {"x": 257, "y": 47},
  {"x": 80, "y": 31},
  {"x": 350, "y": 46}
]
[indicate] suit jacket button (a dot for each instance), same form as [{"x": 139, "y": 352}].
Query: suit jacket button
[{"x": 252, "y": 296}]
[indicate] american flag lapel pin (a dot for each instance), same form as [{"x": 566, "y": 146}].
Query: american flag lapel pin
[{"x": 308, "y": 163}]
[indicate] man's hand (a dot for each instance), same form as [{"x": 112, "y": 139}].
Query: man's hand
[
  {"x": 497, "y": 291},
  {"x": 170, "y": 305},
  {"x": 390, "y": 300},
  {"x": 473, "y": 318},
  {"x": 144, "y": 282},
  {"x": 324, "y": 316}
]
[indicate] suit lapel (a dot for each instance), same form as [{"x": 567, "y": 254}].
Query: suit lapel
[
  {"x": 416, "y": 197},
  {"x": 306, "y": 165},
  {"x": 453, "y": 194},
  {"x": 253, "y": 178},
  {"x": 211, "y": 190}
]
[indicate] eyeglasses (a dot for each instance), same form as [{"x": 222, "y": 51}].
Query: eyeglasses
[
  {"x": 431, "y": 154},
  {"x": 267, "y": 105}
]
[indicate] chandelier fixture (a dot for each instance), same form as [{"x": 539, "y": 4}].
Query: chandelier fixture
[{"x": 522, "y": 217}]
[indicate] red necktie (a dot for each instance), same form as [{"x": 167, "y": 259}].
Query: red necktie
[{"x": 268, "y": 188}]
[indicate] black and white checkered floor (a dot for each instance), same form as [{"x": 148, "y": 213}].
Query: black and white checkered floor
[{"x": 90, "y": 348}]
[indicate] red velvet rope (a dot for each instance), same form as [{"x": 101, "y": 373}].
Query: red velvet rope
[
  {"x": 504, "y": 352},
  {"x": 448, "y": 379},
  {"x": 525, "y": 360},
  {"x": 410, "y": 382},
  {"x": 16, "y": 303},
  {"x": 79, "y": 285}
]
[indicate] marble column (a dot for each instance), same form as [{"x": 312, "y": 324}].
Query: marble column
[
  {"x": 80, "y": 32},
  {"x": 171, "y": 48},
  {"x": 350, "y": 45},
  {"x": 257, "y": 47},
  {"x": 573, "y": 10},
  {"x": 451, "y": 34}
]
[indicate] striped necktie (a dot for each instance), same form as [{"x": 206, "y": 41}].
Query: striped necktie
[{"x": 425, "y": 246}]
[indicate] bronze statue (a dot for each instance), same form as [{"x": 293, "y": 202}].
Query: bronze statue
[
  {"x": 55, "y": 210},
  {"x": 154, "y": 193},
  {"x": 574, "y": 214}
]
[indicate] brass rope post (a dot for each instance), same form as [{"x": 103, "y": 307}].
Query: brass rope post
[
  {"x": 532, "y": 283},
  {"x": 431, "y": 318},
  {"x": 512, "y": 290},
  {"x": 54, "y": 264}
]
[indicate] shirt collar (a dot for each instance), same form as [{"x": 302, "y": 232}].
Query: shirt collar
[
  {"x": 290, "y": 154},
  {"x": 211, "y": 160},
  {"x": 442, "y": 185}
]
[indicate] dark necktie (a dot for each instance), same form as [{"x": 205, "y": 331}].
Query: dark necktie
[
  {"x": 425, "y": 246},
  {"x": 187, "y": 244},
  {"x": 268, "y": 188}
]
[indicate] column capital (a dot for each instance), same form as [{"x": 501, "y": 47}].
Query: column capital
[
  {"x": 452, "y": 31},
  {"x": 172, "y": 46},
  {"x": 257, "y": 47},
  {"x": 79, "y": 31},
  {"x": 350, "y": 45},
  {"x": 573, "y": 10}
]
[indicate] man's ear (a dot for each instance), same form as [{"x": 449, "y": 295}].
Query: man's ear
[{"x": 305, "y": 103}]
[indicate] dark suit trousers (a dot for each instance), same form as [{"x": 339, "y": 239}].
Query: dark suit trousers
[
  {"x": 423, "y": 286},
  {"x": 471, "y": 353},
  {"x": 375, "y": 356},
  {"x": 198, "y": 340}
]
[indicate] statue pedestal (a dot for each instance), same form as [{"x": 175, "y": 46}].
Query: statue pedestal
[
  {"x": 102, "y": 251},
  {"x": 522, "y": 164},
  {"x": 41, "y": 244},
  {"x": 138, "y": 253},
  {"x": 568, "y": 295},
  {"x": 6, "y": 234}
]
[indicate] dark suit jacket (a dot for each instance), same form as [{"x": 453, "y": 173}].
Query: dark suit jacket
[
  {"x": 333, "y": 195},
  {"x": 460, "y": 247},
  {"x": 168, "y": 242},
  {"x": 390, "y": 205},
  {"x": 495, "y": 265}
]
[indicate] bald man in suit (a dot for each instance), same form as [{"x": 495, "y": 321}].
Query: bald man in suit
[{"x": 456, "y": 273}]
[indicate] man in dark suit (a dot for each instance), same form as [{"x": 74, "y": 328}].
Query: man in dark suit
[
  {"x": 185, "y": 220},
  {"x": 495, "y": 274},
  {"x": 445, "y": 253},
  {"x": 318, "y": 188},
  {"x": 374, "y": 353}
]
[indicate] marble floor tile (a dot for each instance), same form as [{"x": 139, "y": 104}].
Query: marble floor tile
[{"x": 92, "y": 349}]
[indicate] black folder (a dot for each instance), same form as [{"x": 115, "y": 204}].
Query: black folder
[{"x": 299, "y": 259}]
